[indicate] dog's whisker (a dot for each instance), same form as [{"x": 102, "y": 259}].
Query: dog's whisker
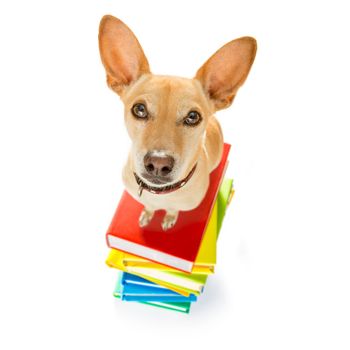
[{"x": 140, "y": 189}]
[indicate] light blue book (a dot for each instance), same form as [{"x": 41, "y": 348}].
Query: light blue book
[{"x": 135, "y": 288}]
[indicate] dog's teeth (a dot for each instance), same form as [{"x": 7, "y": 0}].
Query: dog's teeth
[
  {"x": 183, "y": 183},
  {"x": 140, "y": 190}
]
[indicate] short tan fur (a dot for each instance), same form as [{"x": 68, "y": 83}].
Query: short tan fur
[{"x": 177, "y": 130}]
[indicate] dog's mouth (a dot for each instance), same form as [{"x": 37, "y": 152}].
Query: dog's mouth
[
  {"x": 154, "y": 180},
  {"x": 165, "y": 188}
]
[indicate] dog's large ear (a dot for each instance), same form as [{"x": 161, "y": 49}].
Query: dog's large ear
[
  {"x": 121, "y": 54},
  {"x": 225, "y": 71}
]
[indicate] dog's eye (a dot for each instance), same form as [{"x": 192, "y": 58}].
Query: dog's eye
[
  {"x": 193, "y": 118},
  {"x": 139, "y": 110}
]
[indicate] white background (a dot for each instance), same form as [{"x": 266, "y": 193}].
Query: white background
[{"x": 282, "y": 278}]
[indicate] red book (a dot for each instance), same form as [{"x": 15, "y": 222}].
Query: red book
[{"x": 178, "y": 247}]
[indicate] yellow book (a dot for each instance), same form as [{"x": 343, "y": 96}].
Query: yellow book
[{"x": 115, "y": 260}]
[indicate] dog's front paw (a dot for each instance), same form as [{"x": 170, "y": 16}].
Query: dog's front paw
[
  {"x": 169, "y": 220},
  {"x": 145, "y": 217}
]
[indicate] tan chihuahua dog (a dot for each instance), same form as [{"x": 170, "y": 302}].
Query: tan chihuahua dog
[{"x": 176, "y": 140}]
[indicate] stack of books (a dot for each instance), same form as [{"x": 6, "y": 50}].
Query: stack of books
[{"x": 168, "y": 269}]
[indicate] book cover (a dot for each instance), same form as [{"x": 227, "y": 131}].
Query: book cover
[
  {"x": 181, "y": 307},
  {"x": 116, "y": 263},
  {"x": 174, "y": 306},
  {"x": 118, "y": 287},
  {"x": 223, "y": 200},
  {"x": 194, "y": 283},
  {"x": 206, "y": 258},
  {"x": 204, "y": 263},
  {"x": 139, "y": 289},
  {"x": 179, "y": 249}
]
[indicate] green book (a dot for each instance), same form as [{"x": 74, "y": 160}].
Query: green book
[
  {"x": 181, "y": 307},
  {"x": 224, "y": 197}
]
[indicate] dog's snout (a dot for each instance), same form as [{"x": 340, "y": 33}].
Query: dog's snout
[{"x": 158, "y": 165}]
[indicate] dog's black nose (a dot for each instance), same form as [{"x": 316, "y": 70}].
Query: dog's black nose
[{"x": 157, "y": 165}]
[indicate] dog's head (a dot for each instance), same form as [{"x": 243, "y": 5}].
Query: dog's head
[{"x": 166, "y": 117}]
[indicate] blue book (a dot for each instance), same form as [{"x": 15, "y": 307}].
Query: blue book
[
  {"x": 175, "y": 306},
  {"x": 135, "y": 288}
]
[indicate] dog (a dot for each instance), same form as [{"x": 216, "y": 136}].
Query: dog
[{"x": 176, "y": 139}]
